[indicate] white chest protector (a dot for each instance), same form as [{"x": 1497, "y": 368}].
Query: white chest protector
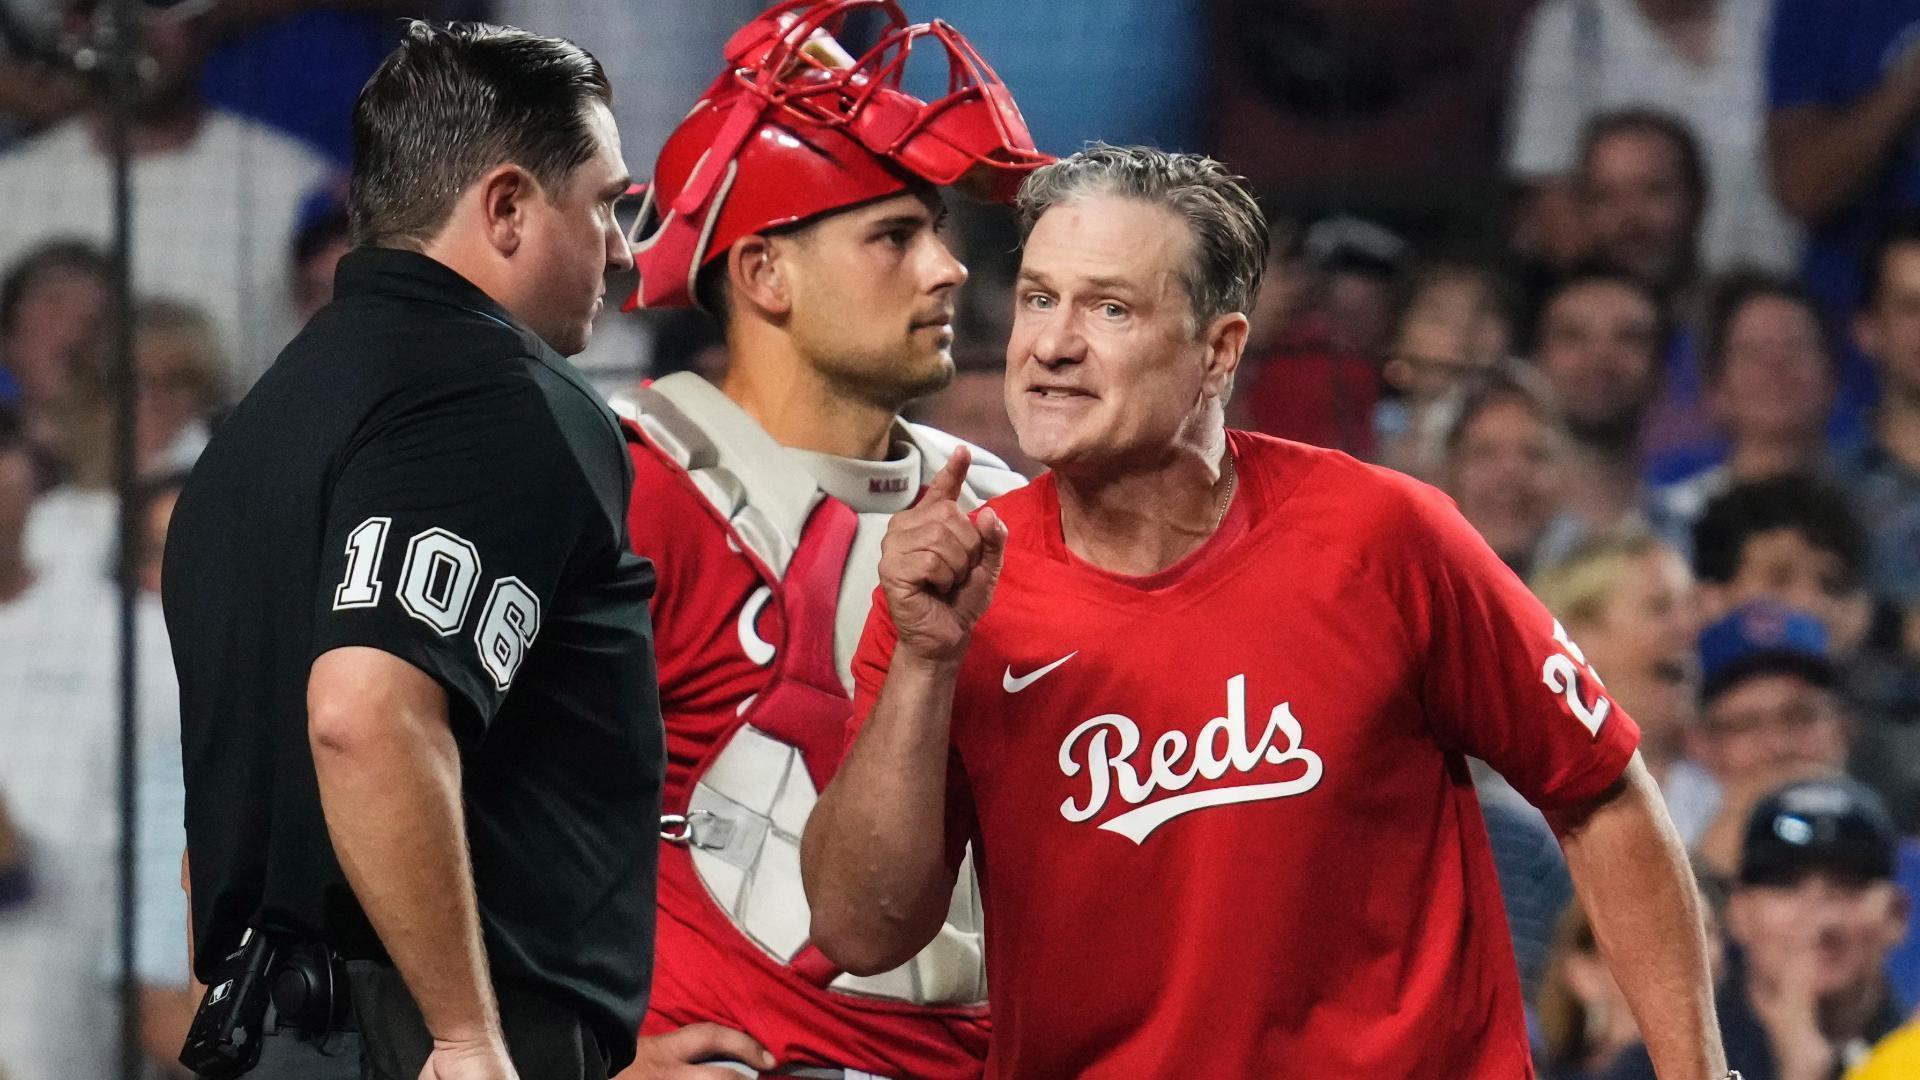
[{"x": 751, "y": 798}]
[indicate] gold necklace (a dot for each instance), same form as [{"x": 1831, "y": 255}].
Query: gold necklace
[{"x": 1226, "y": 497}]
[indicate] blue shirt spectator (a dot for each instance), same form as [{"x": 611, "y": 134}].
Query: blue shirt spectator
[
  {"x": 1827, "y": 64},
  {"x": 334, "y": 52}
]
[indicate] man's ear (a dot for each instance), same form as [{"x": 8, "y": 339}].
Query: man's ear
[
  {"x": 1226, "y": 339},
  {"x": 759, "y": 275},
  {"x": 504, "y": 193}
]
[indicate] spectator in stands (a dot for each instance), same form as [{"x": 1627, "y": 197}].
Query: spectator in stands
[
  {"x": 1791, "y": 539},
  {"x": 1628, "y": 598},
  {"x": 54, "y": 310},
  {"x": 1358, "y": 268},
  {"x": 1642, "y": 193},
  {"x": 179, "y": 367},
  {"x": 1501, "y": 463},
  {"x": 1771, "y": 713},
  {"x": 1597, "y": 346},
  {"x": 1797, "y": 542},
  {"x": 1452, "y": 324},
  {"x": 214, "y": 194},
  {"x": 167, "y": 993},
  {"x": 1641, "y": 186},
  {"x": 1770, "y": 382},
  {"x": 1693, "y": 60},
  {"x": 1844, "y": 88},
  {"x": 1285, "y": 287},
  {"x": 1813, "y": 914},
  {"x": 1883, "y": 473},
  {"x": 57, "y": 727},
  {"x": 1583, "y": 1018},
  {"x": 1314, "y": 373}
]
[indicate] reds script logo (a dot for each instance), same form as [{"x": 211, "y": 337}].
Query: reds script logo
[{"x": 1103, "y": 748}]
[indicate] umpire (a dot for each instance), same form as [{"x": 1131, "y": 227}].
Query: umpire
[{"x": 419, "y": 715}]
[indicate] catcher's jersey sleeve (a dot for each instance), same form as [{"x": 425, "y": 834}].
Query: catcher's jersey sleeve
[
  {"x": 452, "y": 525},
  {"x": 1503, "y": 682}
]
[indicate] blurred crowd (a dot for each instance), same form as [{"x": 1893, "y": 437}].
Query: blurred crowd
[{"x": 1637, "y": 282}]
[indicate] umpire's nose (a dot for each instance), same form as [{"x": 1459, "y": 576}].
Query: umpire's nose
[{"x": 619, "y": 252}]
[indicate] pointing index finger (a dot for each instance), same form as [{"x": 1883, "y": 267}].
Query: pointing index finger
[{"x": 946, "y": 483}]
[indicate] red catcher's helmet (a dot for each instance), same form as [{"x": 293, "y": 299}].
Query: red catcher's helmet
[{"x": 796, "y": 127}]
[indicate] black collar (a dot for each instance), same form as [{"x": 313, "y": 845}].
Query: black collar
[{"x": 385, "y": 271}]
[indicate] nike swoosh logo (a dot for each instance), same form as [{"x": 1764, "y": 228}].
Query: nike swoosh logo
[{"x": 1015, "y": 685}]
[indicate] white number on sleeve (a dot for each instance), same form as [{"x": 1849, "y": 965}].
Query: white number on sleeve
[
  {"x": 365, "y": 545},
  {"x": 438, "y": 580},
  {"x": 507, "y": 626},
  {"x": 1562, "y": 674},
  {"x": 437, "y": 583}
]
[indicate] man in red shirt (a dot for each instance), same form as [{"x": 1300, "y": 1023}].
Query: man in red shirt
[
  {"x": 797, "y": 204},
  {"x": 1209, "y": 740}
]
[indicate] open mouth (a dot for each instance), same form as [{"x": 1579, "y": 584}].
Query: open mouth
[{"x": 1057, "y": 393}]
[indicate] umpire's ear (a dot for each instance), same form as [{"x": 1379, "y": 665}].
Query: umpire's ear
[{"x": 500, "y": 197}]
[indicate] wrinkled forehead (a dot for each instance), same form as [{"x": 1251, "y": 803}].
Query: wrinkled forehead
[{"x": 1106, "y": 241}]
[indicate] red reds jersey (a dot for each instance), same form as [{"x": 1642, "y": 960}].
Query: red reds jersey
[
  {"x": 756, "y": 562},
  {"x": 1222, "y": 815}
]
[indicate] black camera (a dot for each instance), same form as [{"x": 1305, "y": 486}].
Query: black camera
[{"x": 265, "y": 984}]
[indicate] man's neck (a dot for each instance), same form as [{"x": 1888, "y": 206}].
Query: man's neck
[
  {"x": 799, "y": 408},
  {"x": 1897, "y": 426},
  {"x": 163, "y": 132},
  {"x": 1141, "y": 522}
]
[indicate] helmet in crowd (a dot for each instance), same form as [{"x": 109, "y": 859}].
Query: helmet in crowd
[{"x": 796, "y": 127}]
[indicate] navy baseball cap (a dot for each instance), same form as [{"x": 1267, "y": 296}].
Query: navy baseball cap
[
  {"x": 1837, "y": 824},
  {"x": 1763, "y": 638}
]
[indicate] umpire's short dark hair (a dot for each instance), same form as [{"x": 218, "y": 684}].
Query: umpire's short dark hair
[{"x": 454, "y": 101}]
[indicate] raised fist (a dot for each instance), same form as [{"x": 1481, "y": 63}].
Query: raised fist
[{"x": 938, "y": 566}]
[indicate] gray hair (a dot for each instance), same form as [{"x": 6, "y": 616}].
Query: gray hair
[{"x": 1229, "y": 231}]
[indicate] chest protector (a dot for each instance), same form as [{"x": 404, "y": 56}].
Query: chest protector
[{"x": 755, "y": 786}]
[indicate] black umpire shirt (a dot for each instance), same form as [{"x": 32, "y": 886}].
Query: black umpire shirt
[{"x": 420, "y": 474}]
